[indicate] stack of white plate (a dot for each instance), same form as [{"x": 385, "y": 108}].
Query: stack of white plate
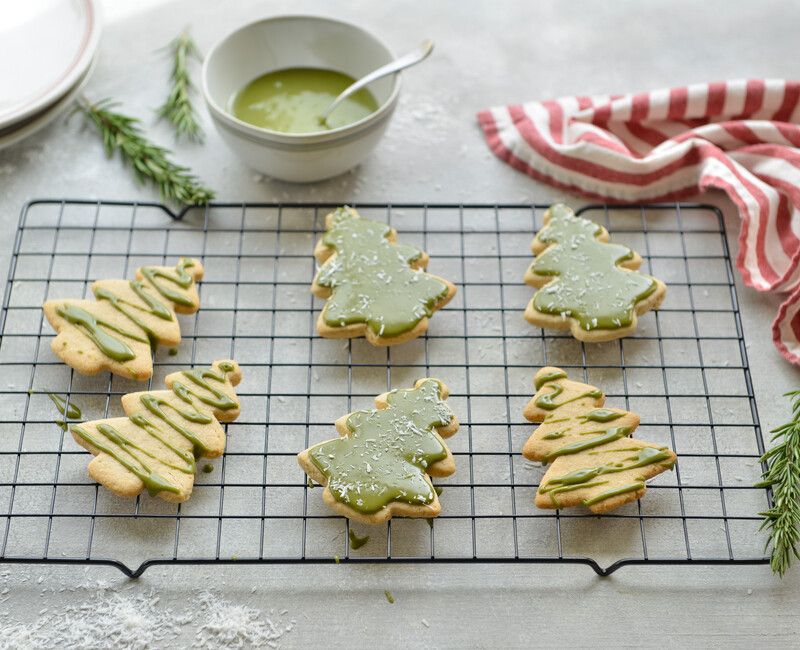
[{"x": 47, "y": 52}]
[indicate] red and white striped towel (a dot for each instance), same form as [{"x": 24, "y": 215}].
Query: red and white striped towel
[{"x": 741, "y": 136}]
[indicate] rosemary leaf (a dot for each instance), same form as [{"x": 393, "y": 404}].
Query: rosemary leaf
[
  {"x": 178, "y": 108},
  {"x": 783, "y": 476},
  {"x": 149, "y": 161}
]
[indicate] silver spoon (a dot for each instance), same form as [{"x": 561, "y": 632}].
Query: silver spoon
[{"x": 405, "y": 61}]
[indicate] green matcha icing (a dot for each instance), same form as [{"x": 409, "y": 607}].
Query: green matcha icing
[
  {"x": 546, "y": 377},
  {"x": 613, "y": 492},
  {"x": 371, "y": 281},
  {"x": 387, "y": 452},
  {"x": 108, "y": 344},
  {"x": 588, "y": 285},
  {"x": 71, "y": 410},
  {"x": 602, "y": 438},
  {"x": 547, "y": 401},
  {"x": 174, "y": 277},
  {"x": 585, "y": 477},
  {"x": 602, "y": 415}
]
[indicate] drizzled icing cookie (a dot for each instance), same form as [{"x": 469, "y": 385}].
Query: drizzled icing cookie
[
  {"x": 586, "y": 284},
  {"x": 128, "y": 318},
  {"x": 374, "y": 287},
  {"x": 381, "y": 463},
  {"x": 156, "y": 445},
  {"x": 595, "y": 462}
]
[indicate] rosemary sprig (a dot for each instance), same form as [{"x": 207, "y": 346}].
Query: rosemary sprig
[
  {"x": 178, "y": 108},
  {"x": 783, "y": 476},
  {"x": 149, "y": 161}
]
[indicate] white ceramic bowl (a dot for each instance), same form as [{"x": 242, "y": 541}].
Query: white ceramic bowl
[{"x": 298, "y": 41}]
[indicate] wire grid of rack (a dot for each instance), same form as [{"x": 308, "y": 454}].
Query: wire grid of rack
[{"x": 685, "y": 371}]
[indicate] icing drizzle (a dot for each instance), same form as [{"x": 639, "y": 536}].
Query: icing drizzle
[
  {"x": 109, "y": 345},
  {"x": 158, "y": 416},
  {"x": 587, "y": 443},
  {"x": 387, "y": 451},
  {"x": 585, "y": 477},
  {"x": 548, "y": 402},
  {"x": 177, "y": 277},
  {"x": 159, "y": 289},
  {"x": 371, "y": 281},
  {"x": 588, "y": 284}
]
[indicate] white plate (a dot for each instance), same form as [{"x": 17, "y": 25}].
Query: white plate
[
  {"x": 37, "y": 122},
  {"x": 46, "y": 46}
]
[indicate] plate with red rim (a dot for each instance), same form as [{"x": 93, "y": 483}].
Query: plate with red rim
[
  {"x": 46, "y": 49},
  {"x": 35, "y": 123}
]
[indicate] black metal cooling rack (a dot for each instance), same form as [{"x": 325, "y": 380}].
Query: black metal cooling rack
[{"x": 685, "y": 371}]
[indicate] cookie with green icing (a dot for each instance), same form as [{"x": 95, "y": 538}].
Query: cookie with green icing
[
  {"x": 373, "y": 286},
  {"x": 155, "y": 447},
  {"x": 127, "y": 319},
  {"x": 594, "y": 461},
  {"x": 587, "y": 284},
  {"x": 381, "y": 464}
]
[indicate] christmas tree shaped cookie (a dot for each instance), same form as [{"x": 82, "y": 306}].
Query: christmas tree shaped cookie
[
  {"x": 586, "y": 284},
  {"x": 594, "y": 461},
  {"x": 373, "y": 286},
  {"x": 155, "y": 447},
  {"x": 118, "y": 330},
  {"x": 381, "y": 463}
]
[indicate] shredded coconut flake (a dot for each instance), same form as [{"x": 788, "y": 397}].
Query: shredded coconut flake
[
  {"x": 226, "y": 625},
  {"x": 112, "y": 620},
  {"x": 107, "y": 620}
]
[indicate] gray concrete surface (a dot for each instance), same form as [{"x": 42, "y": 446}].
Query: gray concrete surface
[{"x": 487, "y": 53}]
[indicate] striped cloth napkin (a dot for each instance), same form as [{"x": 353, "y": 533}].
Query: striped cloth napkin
[{"x": 742, "y": 137}]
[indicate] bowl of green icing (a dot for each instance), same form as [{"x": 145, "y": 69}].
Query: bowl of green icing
[{"x": 266, "y": 84}]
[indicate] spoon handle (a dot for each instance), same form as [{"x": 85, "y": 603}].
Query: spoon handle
[{"x": 405, "y": 61}]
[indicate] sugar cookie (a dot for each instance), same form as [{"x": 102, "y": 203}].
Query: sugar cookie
[
  {"x": 118, "y": 329},
  {"x": 594, "y": 461},
  {"x": 381, "y": 463},
  {"x": 586, "y": 284},
  {"x": 156, "y": 445},
  {"x": 374, "y": 287}
]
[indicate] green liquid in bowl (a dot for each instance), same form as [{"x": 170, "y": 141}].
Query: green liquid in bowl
[{"x": 292, "y": 100}]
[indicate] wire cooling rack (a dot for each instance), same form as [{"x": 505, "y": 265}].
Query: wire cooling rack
[{"x": 685, "y": 371}]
